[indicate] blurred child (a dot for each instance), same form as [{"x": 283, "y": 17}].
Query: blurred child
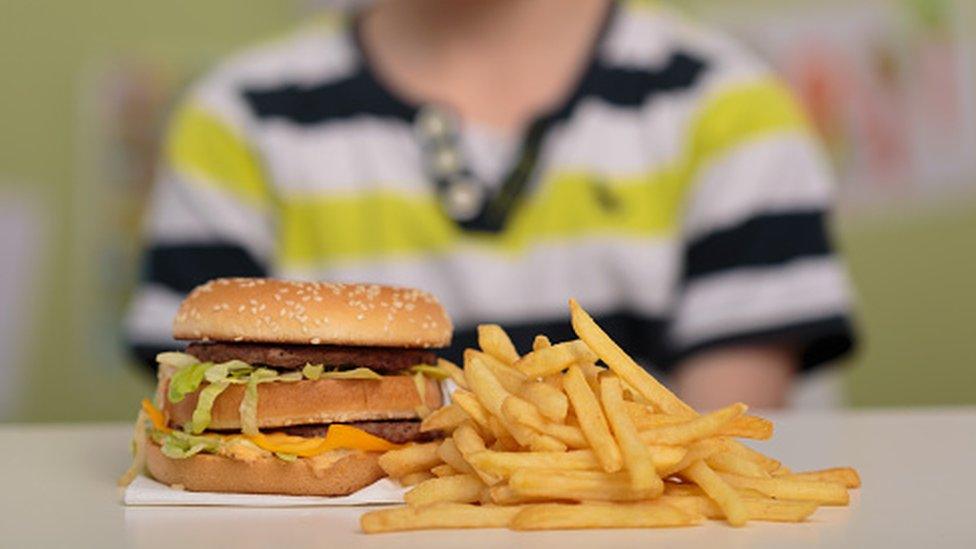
[{"x": 507, "y": 155}]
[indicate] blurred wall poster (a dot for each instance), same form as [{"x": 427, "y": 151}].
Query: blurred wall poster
[
  {"x": 124, "y": 110},
  {"x": 889, "y": 84}
]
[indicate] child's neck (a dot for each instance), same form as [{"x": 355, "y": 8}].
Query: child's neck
[{"x": 497, "y": 62}]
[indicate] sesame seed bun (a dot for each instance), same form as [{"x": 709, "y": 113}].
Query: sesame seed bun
[
  {"x": 335, "y": 473},
  {"x": 312, "y": 313},
  {"x": 310, "y": 402}
]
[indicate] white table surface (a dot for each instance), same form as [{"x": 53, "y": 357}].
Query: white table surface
[{"x": 57, "y": 489}]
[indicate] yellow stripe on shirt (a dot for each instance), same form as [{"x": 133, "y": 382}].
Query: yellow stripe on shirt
[{"x": 202, "y": 146}]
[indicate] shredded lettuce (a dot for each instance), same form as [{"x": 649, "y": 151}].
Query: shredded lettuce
[
  {"x": 249, "y": 404},
  {"x": 177, "y": 360},
  {"x": 435, "y": 372},
  {"x": 312, "y": 371},
  {"x": 234, "y": 369},
  {"x": 317, "y": 371},
  {"x": 201, "y": 414},
  {"x": 286, "y": 457},
  {"x": 180, "y": 445},
  {"x": 356, "y": 373},
  {"x": 187, "y": 380}
]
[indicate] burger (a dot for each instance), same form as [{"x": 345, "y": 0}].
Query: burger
[{"x": 291, "y": 387}]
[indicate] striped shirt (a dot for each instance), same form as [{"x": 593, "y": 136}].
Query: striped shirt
[{"x": 678, "y": 193}]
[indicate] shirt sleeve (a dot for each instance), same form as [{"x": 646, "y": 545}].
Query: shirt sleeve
[
  {"x": 210, "y": 215},
  {"x": 757, "y": 261}
]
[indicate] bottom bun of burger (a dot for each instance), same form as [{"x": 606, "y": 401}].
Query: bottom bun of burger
[{"x": 336, "y": 473}]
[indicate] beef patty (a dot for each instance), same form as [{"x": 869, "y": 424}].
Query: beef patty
[
  {"x": 397, "y": 432},
  {"x": 380, "y": 359}
]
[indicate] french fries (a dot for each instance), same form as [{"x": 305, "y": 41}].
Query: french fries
[
  {"x": 645, "y": 515},
  {"x": 453, "y": 488},
  {"x": 493, "y": 340},
  {"x": 721, "y": 493},
  {"x": 554, "y": 359},
  {"x": 551, "y": 402},
  {"x": 592, "y": 421},
  {"x": 579, "y": 486},
  {"x": 410, "y": 459},
  {"x": 758, "y": 509},
  {"x": 437, "y": 516},
  {"x": 845, "y": 476},
  {"x": 415, "y": 478},
  {"x": 446, "y": 418},
  {"x": 554, "y": 440},
  {"x": 456, "y": 373},
  {"x": 636, "y": 456}
]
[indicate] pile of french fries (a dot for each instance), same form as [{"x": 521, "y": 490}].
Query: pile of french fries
[{"x": 552, "y": 440}]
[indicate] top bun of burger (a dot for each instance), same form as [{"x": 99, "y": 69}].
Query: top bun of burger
[{"x": 312, "y": 313}]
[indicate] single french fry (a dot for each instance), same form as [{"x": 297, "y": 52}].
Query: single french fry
[
  {"x": 456, "y": 373},
  {"x": 448, "y": 451},
  {"x": 624, "y": 366},
  {"x": 510, "y": 378},
  {"x": 688, "y": 489},
  {"x": 469, "y": 403},
  {"x": 577, "y": 485},
  {"x": 845, "y": 476},
  {"x": 455, "y": 488},
  {"x": 437, "y": 516},
  {"x": 503, "y": 463},
  {"x": 550, "y": 402},
  {"x": 410, "y": 459},
  {"x": 636, "y": 455},
  {"x": 824, "y": 493},
  {"x": 695, "y": 429},
  {"x": 592, "y": 421},
  {"x": 415, "y": 478},
  {"x": 724, "y": 495},
  {"x": 503, "y": 494},
  {"x": 446, "y": 419},
  {"x": 485, "y": 386},
  {"x": 493, "y": 340},
  {"x": 744, "y": 426},
  {"x": 554, "y": 359},
  {"x": 540, "y": 342},
  {"x": 727, "y": 462},
  {"x": 553, "y": 516},
  {"x": 770, "y": 510}
]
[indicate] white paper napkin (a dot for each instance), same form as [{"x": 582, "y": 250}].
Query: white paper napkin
[{"x": 146, "y": 491}]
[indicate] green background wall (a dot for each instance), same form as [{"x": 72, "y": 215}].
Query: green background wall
[{"x": 914, "y": 267}]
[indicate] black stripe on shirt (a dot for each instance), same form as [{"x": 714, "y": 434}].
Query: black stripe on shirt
[
  {"x": 762, "y": 241},
  {"x": 640, "y": 336},
  {"x": 333, "y": 100},
  {"x": 818, "y": 341},
  {"x": 362, "y": 93},
  {"x": 628, "y": 87},
  {"x": 184, "y": 267}
]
